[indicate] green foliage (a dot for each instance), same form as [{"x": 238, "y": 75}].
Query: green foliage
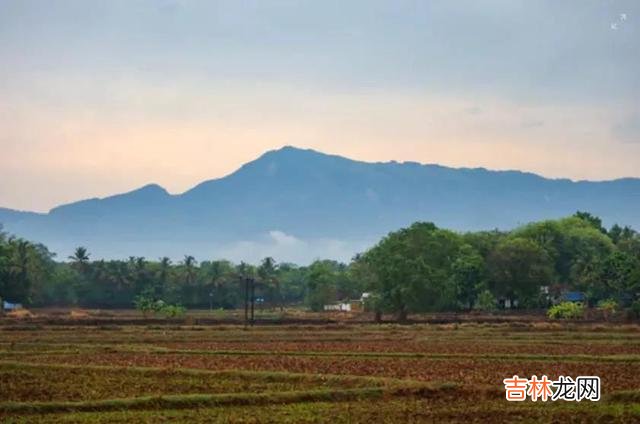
[
  {"x": 468, "y": 275},
  {"x": 518, "y": 267},
  {"x": 24, "y": 268},
  {"x": 566, "y": 310},
  {"x": 617, "y": 275},
  {"x": 146, "y": 304},
  {"x": 608, "y": 305},
  {"x": 486, "y": 301},
  {"x": 321, "y": 285},
  {"x": 417, "y": 269},
  {"x": 573, "y": 245},
  {"x": 592, "y": 220},
  {"x": 635, "y": 309},
  {"x": 270, "y": 282},
  {"x": 173, "y": 311},
  {"x": 413, "y": 269}
]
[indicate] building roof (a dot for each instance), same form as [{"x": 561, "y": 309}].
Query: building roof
[{"x": 574, "y": 296}]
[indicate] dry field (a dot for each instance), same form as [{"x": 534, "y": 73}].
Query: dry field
[{"x": 345, "y": 372}]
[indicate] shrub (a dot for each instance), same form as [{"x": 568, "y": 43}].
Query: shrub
[
  {"x": 172, "y": 311},
  {"x": 147, "y": 305},
  {"x": 486, "y": 301},
  {"x": 566, "y": 310},
  {"x": 608, "y": 307}
]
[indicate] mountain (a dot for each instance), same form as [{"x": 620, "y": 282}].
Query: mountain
[{"x": 301, "y": 204}]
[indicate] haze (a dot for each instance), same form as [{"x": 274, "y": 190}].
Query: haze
[{"x": 102, "y": 97}]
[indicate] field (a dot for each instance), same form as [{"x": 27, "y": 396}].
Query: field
[{"x": 291, "y": 373}]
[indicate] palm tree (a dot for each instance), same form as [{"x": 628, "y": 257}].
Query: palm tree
[
  {"x": 80, "y": 258},
  {"x": 189, "y": 264},
  {"x": 163, "y": 275},
  {"x": 140, "y": 274},
  {"x": 20, "y": 255},
  {"x": 218, "y": 274},
  {"x": 19, "y": 268},
  {"x": 269, "y": 278},
  {"x": 120, "y": 278},
  {"x": 80, "y": 255},
  {"x": 189, "y": 272}
]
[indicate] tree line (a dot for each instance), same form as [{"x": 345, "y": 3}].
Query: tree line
[{"x": 421, "y": 268}]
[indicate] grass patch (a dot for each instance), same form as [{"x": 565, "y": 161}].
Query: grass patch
[
  {"x": 22, "y": 382},
  {"x": 417, "y": 355}
]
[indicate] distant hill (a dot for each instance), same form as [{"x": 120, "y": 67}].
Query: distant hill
[{"x": 301, "y": 204}]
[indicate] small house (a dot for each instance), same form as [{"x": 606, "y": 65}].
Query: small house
[
  {"x": 574, "y": 297},
  {"x": 507, "y": 303},
  {"x": 342, "y": 307},
  {"x": 8, "y": 306}
]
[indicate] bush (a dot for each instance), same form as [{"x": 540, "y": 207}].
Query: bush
[
  {"x": 147, "y": 305},
  {"x": 486, "y": 301},
  {"x": 173, "y": 311},
  {"x": 566, "y": 310},
  {"x": 608, "y": 307}
]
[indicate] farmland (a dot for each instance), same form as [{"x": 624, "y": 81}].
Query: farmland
[{"x": 339, "y": 372}]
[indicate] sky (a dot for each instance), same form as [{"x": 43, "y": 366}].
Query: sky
[{"x": 101, "y": 97}]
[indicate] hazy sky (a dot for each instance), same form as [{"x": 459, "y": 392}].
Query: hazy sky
[{"x": 99, "y": 97}]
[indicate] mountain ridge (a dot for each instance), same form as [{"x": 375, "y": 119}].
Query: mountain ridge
[
  {"x": 309, "y": 196},
  {"x": 289, "y": 147}
]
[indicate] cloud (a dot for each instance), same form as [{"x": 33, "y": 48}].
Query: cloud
[
  {"x": 284, "y": 239},
  {"x": 285, "y": 247}
]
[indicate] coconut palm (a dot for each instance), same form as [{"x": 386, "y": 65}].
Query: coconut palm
[
  {"x": 189, "y": 264},
  {"x": 80, "y": 258},
  {"x": 163, "y": 275},
  {"x": 268, "y": 274}
]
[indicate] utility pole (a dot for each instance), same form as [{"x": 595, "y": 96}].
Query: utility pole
[
  {"x": 253, "y": 298},
  {"x": 246, "y": 301}
]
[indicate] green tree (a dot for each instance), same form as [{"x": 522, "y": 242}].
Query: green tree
[
  {"x": 24, "y": 269},
  {"x": 268, "y": 275},
  {"x": 573, "y": 245},
  {"x": 293, "y": 281},
  {"x": 321, "y": 285},
  {"x": 518, "y": 267},
  {"x": 80, "y": 258},
  {"x": 593, "y": 220},
  {"x": 219, "y": 287},
  {"x": 189, "y": 273},
  {"x": 413, "y": 269},
  {"x": 468, "y": 275},
  {"x": 162, "y": 276},
  {"x": 629, "y": 242},
  {"x": 486, "y": 301},
  {"x": 19, "y": 270},
  {"x": 618, "y": 278}
]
